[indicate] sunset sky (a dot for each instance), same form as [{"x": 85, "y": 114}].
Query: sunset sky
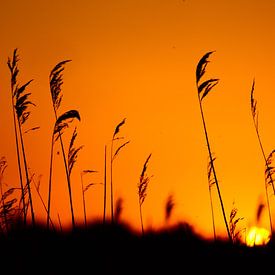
[{"x": 137, "y": 60}]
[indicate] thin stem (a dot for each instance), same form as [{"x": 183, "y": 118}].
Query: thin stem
[
  {"x": 67, "y": 175},
  {"x": 111, "y": 181},
  {"x": 83, "y": 199},
  {"x": 38, "y": 192},
  {"x": 266, "y": 163},
  {"x": 60, "y": 225},
  {"x": 18, "y": 157},
  {"x": 213, "y": 167},
  {"x": 212, "y": 213},
  {"x": 141, "y": 220},
  {"x": 27, "y": 174},
  {"x": 50, "y": 183},
  {"x": 105, "y": 175},
  {"x": 263, "y": 153},
  {"x": 269, "y": 211}
]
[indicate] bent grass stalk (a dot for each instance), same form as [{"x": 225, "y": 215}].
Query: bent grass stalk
[
  {"x": 60, "y": 125},
  {"x": 203, "y": 89},
  {"x": 56, "y": 81},
  {"x": 268, "y": 170}
]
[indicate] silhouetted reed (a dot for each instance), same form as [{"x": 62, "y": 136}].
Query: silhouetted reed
[
  {"x": 142, "y": 189},
  {"x": 113, "y": 156},
  {"x": 203, "y": 89},
  {"x": 268, "y": 160},
  {"x": 56, "y": 81},
  {"x": 12, "y": 64},
  {"x": 233, "y": 222},
  {"x": 61, "y": 124},
  {"x": 105, "y": 185},
  {"x": 21, "y": 104}
]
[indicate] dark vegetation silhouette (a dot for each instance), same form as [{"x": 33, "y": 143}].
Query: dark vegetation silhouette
[
  {"x": 142, "y": 189},
  {"x": 203, "y": 89},
  {"x": 269, "y": 170},
  {"x": 113, "y": 157},
  {"x": 111, "y": 245}
]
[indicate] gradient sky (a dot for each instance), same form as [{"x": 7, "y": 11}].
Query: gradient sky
[{"x": 137, "y": 59}]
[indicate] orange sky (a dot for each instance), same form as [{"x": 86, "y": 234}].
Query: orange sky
[{"x": 137, "y": 59}]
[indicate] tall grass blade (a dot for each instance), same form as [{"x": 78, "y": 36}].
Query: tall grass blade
[
  {"x": 268, "y": 169},
  {"x": 12, "y": 64},
  {"x": 113, "y": 156},
  {"x": 203, "y": 89}
]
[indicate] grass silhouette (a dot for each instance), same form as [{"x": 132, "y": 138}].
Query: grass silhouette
[
  {"x": 112, "y": 246},
  {"x": 204, "y": 89}
]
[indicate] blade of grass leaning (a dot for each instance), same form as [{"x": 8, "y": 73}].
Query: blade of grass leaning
[
  {"x": 268, "y": 169},
  {"x": 12, "y": 64},
  {"x": 204, "y": 88}
]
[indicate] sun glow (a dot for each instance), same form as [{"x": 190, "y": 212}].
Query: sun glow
[{"x": 257, "y": 236}]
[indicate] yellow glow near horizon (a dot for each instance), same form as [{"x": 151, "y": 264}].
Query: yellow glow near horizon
[{"x": 257, "y": 236}]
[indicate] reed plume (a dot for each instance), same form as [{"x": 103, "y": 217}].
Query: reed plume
[
  {"x": 268, "y": 160},
  {"x": 12, "y": 64},
  {"x": 56, "y": 82},
  {"x": 113, "y": 156},
  {"x": 233, "y": 221},
  {"x": 62, "y": 123},
  {"x": 21, "y": 103},
  {"x": 142, "y": 189},
  {"x": 204, "y": 88}
]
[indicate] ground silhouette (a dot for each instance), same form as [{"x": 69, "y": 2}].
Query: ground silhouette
[{"x": 117, "y": 249}]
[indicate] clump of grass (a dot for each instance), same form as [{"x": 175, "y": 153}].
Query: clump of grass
[
  {"x": 142, "y": 189},
  {"x": 9, "y": 212},
  {"x": 204, "y": 88}
]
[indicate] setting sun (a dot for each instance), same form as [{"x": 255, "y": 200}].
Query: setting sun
[{"x": 257, "y": 236}]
